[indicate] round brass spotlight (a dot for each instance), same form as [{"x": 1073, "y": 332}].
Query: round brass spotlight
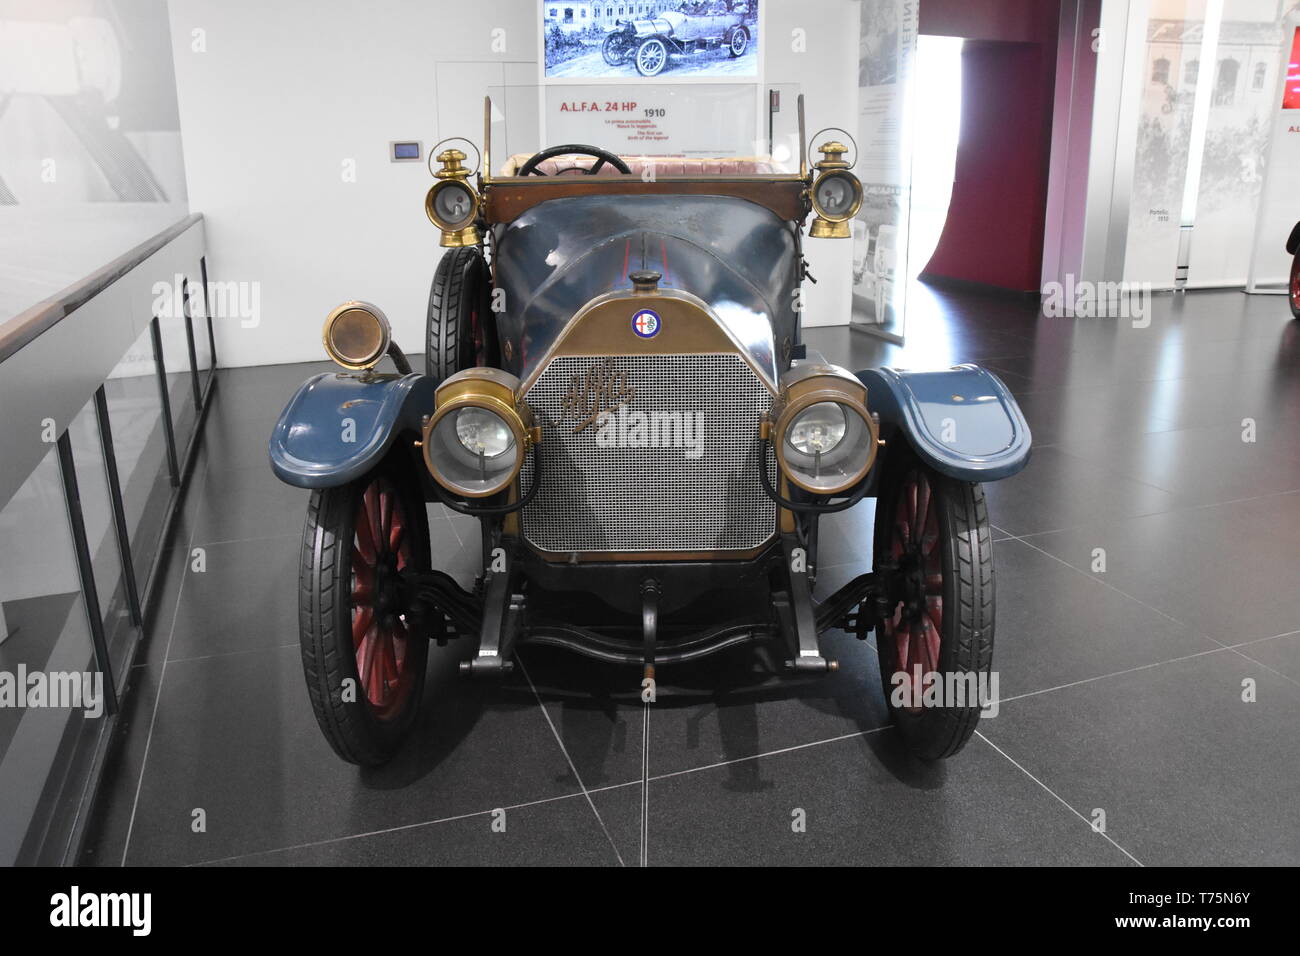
[
  {"x": 824, "y": 438},
  {"x": 474, "y": 444},
  {"x": 357, "y": 335}
]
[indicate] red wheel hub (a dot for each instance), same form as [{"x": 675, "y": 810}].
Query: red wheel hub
[
  {"x": 917, "y": 623},
  {"x": 381, "y": 549}
]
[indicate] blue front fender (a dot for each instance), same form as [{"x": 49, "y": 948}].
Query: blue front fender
[
  {"x": 310, "y": 446},
  {"x": 962, "y": 421}
]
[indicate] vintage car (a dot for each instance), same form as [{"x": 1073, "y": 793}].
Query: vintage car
[
  {"x": 693, "y": 27},
  {"x": 1293, "y": 284},
  {"x": 616, "y": 387}
]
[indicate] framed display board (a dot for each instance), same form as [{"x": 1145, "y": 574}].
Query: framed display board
[{"x": 653, "y": 77}]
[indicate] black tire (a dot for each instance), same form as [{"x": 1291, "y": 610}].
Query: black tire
[
  {"x": 459, "y": 331},
  {"x": 651, "y": 57},
  {"x": 615, "y": 49},
  {"x": 738, "y": 42},
  {"x": 1293, "y": 287},
  {"x": 963, "y": 556},
  {"x": 361, "y": 730},
  {"x": 1293, "y": 241}
]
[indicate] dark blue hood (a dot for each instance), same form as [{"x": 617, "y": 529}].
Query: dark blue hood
[{"x": 561, "y": 254}]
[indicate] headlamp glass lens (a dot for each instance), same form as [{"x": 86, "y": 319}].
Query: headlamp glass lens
[
  {"x": 818, "y": 429},
  {"x": 473, "y": 451},
  {"x": 483, "y": 432},
  {"x": 836, "y": 195},
  {"x": 453, "y": 204}
]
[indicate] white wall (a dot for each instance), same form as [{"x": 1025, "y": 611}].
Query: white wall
[
  {"x": 827, "y": 74},
  {"x": 284, "y": 93}
]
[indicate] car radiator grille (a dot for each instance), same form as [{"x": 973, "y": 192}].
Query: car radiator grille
[{"x": 657, "y": 499}]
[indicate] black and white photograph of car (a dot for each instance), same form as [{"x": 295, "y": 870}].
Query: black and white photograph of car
[{"x": 599, "y": 39}]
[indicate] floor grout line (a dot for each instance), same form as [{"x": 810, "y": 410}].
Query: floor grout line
[
  {"x": 770, "y": 753},
  {"x": 645, "y": 784},
  {"x": 1172, "y": 660},
  {"x": 1188, "y": 627},
  {"x": 459, "y": 540},
  {"x": 223, "y": 655},
  {"x": 1154, "y": 514},
  {"x": 1130, "y": 670},
  {"x": 565, "y": 750},
  {"x": 162, "y": 673},
  {"x": 386, "y": 830},
  {"x": 1271, "y": 670},
  {"x": 1060, "y": 799},
  {"x": 1261, "y": 640},
  {"x": 532, "y": 803},
  {"x": 261, "y": 537}
]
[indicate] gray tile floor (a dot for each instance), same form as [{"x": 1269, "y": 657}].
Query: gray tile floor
[{"x": 1121, "y": 690}]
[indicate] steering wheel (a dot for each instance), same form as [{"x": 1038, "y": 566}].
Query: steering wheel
[{"x": 602, "y": 156}]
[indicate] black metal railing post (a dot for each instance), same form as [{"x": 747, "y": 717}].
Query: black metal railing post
[
  {"x": 207, "y": 311},
  {"x": 119, "y": 511},
  {"x": 86, "y": 571},
  {"x": 189, "y": 342},
  {"x": 155, "y": 333}
]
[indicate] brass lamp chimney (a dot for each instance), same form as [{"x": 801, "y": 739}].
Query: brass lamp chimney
[
  {"x": 832, "y": 156},
  {"x": 452, "y": 165}
]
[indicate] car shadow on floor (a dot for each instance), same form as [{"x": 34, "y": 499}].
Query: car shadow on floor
[{"x": 730, "y": 709}]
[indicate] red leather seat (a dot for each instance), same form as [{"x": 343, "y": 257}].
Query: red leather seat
[{"x": 577, "y": 165}]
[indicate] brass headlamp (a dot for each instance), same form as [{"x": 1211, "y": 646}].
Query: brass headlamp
[
  {"x": 451, "y": 203},
  {"x": 824, "y": 438},
  {"x": 475, "y": 441},
  {"x": 836, "y": 193}
]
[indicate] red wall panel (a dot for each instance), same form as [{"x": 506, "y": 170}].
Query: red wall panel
[
  {"x": 1012, "y": 20},
  {"x": 994, "y": 232}
]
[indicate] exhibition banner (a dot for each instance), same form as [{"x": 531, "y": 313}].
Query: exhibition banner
[
  {"x": 886, "y": 59},
  {"x": 1240, "y": 82},
  {"x": 1239, "y": 138},
  {"x": 1174, "y": 31},
  {"x": 1278, "y": 209}
]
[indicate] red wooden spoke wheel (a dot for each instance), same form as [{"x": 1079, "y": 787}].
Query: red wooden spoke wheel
[
  {"x": 917, "y": 623},
  {"x": 933, "y": 549},
  {"x": 363, "y": 653},
  {"x": 381, "y": 550}
]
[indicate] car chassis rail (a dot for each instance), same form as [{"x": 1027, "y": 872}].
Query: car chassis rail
[{"x": 496, "y": 610}]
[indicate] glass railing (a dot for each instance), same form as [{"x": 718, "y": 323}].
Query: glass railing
[{"x": 103, "y": 390}]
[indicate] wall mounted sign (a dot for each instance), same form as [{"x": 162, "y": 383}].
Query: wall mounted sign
[{"x": 674, "y": 120}]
